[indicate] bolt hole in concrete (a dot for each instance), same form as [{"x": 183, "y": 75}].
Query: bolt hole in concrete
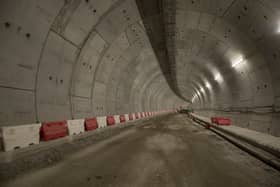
[
  {"x": 28, "y": 35},
  {"x": 7, "y": 24}
]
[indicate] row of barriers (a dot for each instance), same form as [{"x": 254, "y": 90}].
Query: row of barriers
[{"x": 16, "y": 137}]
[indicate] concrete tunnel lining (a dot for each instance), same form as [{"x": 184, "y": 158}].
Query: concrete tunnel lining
[
  {"x": 77, "y": 59},
  {"x": 82, "y": 62},
  {"x": 98, "y": 63}
]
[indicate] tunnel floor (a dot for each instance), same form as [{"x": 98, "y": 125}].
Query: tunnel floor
[{"x": 164, "y": 151}]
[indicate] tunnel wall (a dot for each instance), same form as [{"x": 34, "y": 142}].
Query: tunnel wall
[
  {"x": 247, "y": 92},
  {"x": 76, "y": 59}
]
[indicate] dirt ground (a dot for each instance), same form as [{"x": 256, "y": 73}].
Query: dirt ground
[{"x": 163, "y": 151}]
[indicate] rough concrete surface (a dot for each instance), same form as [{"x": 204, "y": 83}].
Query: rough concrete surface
[{"x": 164, "y": 151}]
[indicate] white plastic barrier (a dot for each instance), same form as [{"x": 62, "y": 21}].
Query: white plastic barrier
[
  {"x": 20, "y": 136},
  {"x": 101, "y": 120},
  {"x": 117, "y": 119},
  {"x": 76, "y": 126},
  {"x": 126, "y": 117}
]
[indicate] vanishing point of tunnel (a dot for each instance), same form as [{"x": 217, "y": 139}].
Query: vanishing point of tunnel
[{"x": 140, "y": 93}]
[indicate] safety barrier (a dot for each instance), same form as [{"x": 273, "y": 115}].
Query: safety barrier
[
  {"x": 110, "y": 120},
  {"x": 130, "y": 117},
  {"x": 25, "y": 135},
  {"x": 122, "y": 118},
  {"x": 53, "y": 130},
  {"x": 220, "y": 121},
  {"x": 117, "y": 119},
  {"x": 102, "y": 121},
  {"x": 75, "y": 126},
  {"x": 126, "y": 117},
  {"x": 90, "y": 124},
  {"x": 16, "y": 137}
]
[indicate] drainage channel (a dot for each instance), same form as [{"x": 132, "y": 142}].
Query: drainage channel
[{"x": 262, "y": 155}]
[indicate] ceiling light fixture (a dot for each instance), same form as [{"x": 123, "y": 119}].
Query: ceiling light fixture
[
  {"x": 202, "y": 89},
  {"x": 208, "y": 85},
  {"x": 238, "y": 61},
  {"x": 218, "y": 77}
]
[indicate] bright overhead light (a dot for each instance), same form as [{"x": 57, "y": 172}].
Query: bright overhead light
[
  {"x": 208, "y": 85},
  {"x": 218, "y": 77},
  {"x": 238, "y": 61},
  {"x": 202, "y": 89}
]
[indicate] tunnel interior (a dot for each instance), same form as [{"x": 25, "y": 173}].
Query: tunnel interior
[{"x": 73, "y": 59}]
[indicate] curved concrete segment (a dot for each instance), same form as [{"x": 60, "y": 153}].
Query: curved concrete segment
[
  {"x": 63, "y": 60},
  {"x": 77, "y": 59}
]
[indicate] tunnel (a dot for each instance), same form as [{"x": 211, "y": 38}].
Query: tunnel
[{"x": 166, "y": 69}]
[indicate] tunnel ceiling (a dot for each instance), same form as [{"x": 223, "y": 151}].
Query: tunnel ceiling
[{"x": 217, "y": 53}]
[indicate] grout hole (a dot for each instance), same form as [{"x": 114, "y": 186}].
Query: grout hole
[
  {"x": 86, "y": 1},
  {"x": 265, "y": 86},
  {"x": 245, "y": 8},
  {"x": 7, "y": 24},
  {"x": 61, "y": 81},
  {"x": 94, "y": 10},
  {"x": 265, "y": 17},
  {"x": 239, "y": 17},
  {"x": 27, "y": 35},
  {"x": 50, "y": 78}
]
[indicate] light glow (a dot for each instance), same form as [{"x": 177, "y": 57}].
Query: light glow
[
  {"x": 278, "y": 28},
  {"x": 218, "y": 77},
  {"x": 238, "y": 61},
  {"x": 202, "y": 89},
  {"x": 208, "y": 85}
]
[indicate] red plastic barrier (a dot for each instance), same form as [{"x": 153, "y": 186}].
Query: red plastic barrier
[
  {"x": 110, "y": 120},
  {"x": 130, "y": 117},
  {"x": 220, "y": 120},
  {"x": 141, "y": 115},
  {"x": 136, "y": 116},
  {"x": 223, "y": 121},
  {"x": 91, "y": 124},
  {"x": 53, "y": 130},
  {"x": 214, "y": 119},
  {"x": 122, "y": 118}
]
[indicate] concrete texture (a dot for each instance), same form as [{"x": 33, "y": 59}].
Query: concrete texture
[
  {"x": 164, "y": 151},
  {"x": 76, "y": 59},
  {"x": 82, "y": 58}
]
